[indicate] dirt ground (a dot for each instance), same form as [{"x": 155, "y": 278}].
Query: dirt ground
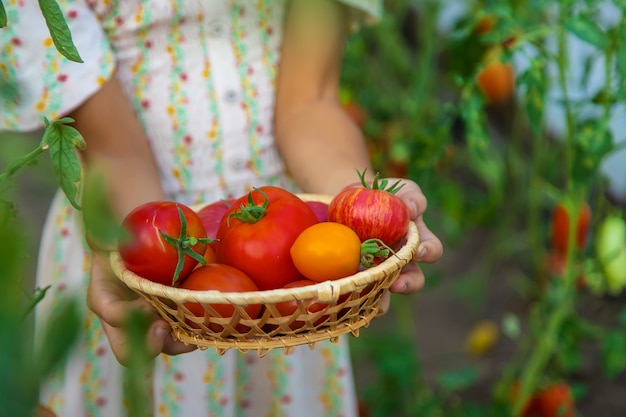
[{"x": 441, "y": 317}]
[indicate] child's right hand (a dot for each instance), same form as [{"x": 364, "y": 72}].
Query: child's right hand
[{"x": 112, "y": 301}]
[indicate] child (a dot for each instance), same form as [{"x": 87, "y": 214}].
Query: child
[{"x": 192, "y": 101}]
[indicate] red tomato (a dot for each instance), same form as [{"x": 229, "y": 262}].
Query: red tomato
[
  {"x": 257, "y": 232},
  {"x": 224, "y": 278},
  {"x": 555, "y": 400},
  {"x": 320, "y": 209},
  {"x": 373, "y": 212},
  {"x": 146, "y": 252},
  {"x": 211, "y": 216},
  {"x": 287, "y": 308},
  {"x": 560, "y": 227}
]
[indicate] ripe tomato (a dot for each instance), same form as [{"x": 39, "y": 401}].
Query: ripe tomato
[
  {"x": 257, "y": 232},
  {"x": 560, "y": 227},
  {"x": 211, "y": 216},
  {"x": 320, "y": 209},
  {"x": 373, "y": 212},
  {"x": 287, "y": 308},
  {"x": 497, "y": 81},
  {"x": 154, "y": 244},
  {"x": 327, "y": 251},
  {"x": 555, "y": 400},
  {"x": 224, "y": 278}
]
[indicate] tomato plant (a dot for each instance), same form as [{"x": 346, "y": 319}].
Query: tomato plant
[
  {"x": 162, "y": 241},
  {"x": 257, "y": 232},
  {"x": 560, "y": 227},
  {"x": 224, "y": 278},
  {"x": 211, "y": 216},
  {"x": 372, "y": 211}
]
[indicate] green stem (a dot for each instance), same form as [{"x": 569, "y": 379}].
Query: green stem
[
  {"x": 21, "y": 162},
  {"x": 562, "y": 65}
]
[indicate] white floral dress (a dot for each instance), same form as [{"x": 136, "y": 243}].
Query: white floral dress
[{"x": 201, "y": 76}]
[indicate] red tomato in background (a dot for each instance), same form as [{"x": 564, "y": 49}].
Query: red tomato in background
[
  {"x": 371, "y": 213},
  {"x": 320, "y": 209},
  {"x": 224, "y": 278},
  {"x": 555, "y": 400},
  {"x": 211, "y": 216},
  {"x": 560, "y": 227},
  {"x": 287, "y": 308},
  {"x": 260, "y": 247},
  {"x": 146, "y": 252}
]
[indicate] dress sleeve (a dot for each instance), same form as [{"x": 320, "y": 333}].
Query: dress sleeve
[
  {"x": 364, "y": 11},
  {"x": 36, "y": 81}
]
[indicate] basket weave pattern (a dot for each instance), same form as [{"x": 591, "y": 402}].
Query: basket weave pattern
[{"x": 348, "y": 304}]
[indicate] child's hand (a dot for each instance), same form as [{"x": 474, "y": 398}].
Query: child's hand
[
  {"x": 429, "y": 250},
  {"x": 112, "y": 301}
]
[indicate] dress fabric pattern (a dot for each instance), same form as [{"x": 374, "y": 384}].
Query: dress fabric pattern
[{"x": 210, "y": 142}]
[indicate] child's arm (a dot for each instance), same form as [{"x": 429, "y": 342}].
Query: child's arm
[
  {"x": 321, "y": 145},
  {"x": 118, "y": 158}
]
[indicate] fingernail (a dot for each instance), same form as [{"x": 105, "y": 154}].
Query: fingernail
[
  {"x": 421, "y": 252},
  {"x": 405, "y": 287}
]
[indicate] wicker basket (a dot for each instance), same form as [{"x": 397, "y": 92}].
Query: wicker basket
[{"x": 352, "y": 302}]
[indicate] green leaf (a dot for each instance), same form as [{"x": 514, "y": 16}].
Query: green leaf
[
  {"x": 3, "y": 15},
  {"x": 620, "y": 59},
  {"x": 59, "y": 31},
  {"x": 136, "y": 374},
  {"x": 613, "y": 358},
  {"x": 62, "y": 141},
  {"x": 535, "y": 80},
  {"x": 587, "y": 30},
  {"x": 60, "y": 334},
  {"x": 101, "y": 224},
  {"x": 593, "y": 142},
  {"x": 459, "y": 379}
]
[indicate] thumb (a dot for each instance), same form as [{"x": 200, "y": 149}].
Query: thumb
[{"x": 157, "y": 336}]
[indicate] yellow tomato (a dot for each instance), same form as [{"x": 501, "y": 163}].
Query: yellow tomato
[
  {"x": 481, "y": 338},
  {"x": 327, "y": 251}
]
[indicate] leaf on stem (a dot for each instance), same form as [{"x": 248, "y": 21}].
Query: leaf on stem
[
  {"x": 63, "y": 140},
  {"x": 587, "y": 30},
  {"x": 59, "y": 31}
]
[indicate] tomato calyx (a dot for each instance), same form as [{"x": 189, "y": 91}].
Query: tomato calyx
[
  {"x": 372, "y": 250},
  {"x": 380, "y": 184},
  {"x": 251, "y": 212},
  {"x": 184, "y": 244}
]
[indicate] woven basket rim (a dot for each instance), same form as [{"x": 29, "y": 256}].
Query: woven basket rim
[{"x": 326, "y": 291}]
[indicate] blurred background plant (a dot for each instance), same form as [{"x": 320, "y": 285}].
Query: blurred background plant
[{"x": 507, "y": 113}]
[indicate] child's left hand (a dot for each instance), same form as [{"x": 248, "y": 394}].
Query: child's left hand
[{"x": 430, "y": 248}]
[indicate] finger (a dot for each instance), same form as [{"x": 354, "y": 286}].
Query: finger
[
  {"x": 385, "y": 300},
  {"x": 410, "y": 281},
  {"x": 156, "y": 337},
  {"x": 430, "y": 248},
  {"x": 414, "y": 199},
  {"x": 109, "y": 298},
  {"x": 172, "y": 347}
]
